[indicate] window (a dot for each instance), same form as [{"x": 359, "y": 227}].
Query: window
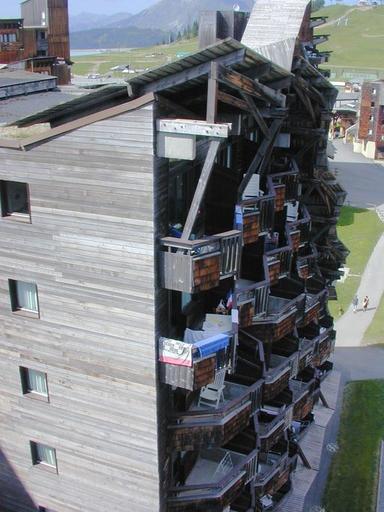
[
  {"x": 24, "y": 297},
  {"x": 34, "y": 383},
  {"x": 14, "y": 198},
  {"x": 43, "y": 455}
]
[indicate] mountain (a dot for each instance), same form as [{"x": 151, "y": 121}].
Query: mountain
[
  {"x": 356, "y": 37},
  {"x": 173, "y": 15},
  {"x": 89, "y": 20},
  {"x": 129, "y": 37}
]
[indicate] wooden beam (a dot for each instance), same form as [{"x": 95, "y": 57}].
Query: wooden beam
[
  {"x": 174, "y": 108},
  {"x": 232, "y": 101},
  {"x": 281, "y": 83},
  {"x": 256, "y": 113},
  {"x": 305, "y": 101},
  {"x": 262, "y": 151},
  {"x": 247, "y": 85},
  {"x": 193, "y": 127},
  {"x": 201, "y": 188},
  {"x": 193, "y": 72},
  {"x": 213, "y": 87},
  {"x": 260, "y": 70}
]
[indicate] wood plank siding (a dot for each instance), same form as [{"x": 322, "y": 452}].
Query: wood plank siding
[{"x": 90, "y": 250}]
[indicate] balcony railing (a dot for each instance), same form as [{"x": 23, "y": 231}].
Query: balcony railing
[
  {"x": 197, "y": 265},
  {"x": 215, "y": 479},
  {"x": 303, "y": 224},
  {"x": 203, "y": 426},
  {"x": 255, "y": 216},
  {"x": 251, "y": 300},
  {"x": 271, "y": 472},
  {"x": 313, "y": 305},
  {"x": 325, "y": 346},
  {"x": 272, "y": 425},
  {"x": 267, "y": 212},
  {"x": 277, "y": 263},
  {"x": 193, "y": 365},
  {"x": 290, "y": 180}
]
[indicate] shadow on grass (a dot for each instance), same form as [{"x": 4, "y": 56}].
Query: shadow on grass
[{"x": 347, "y": 216}]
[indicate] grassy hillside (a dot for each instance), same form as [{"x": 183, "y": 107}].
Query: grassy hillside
[
  {"x": 356, "y": 37},
  {"x": 139, "y": 58}
]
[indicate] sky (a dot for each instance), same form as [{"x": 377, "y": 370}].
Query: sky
[{"x": 10, "y": 8}]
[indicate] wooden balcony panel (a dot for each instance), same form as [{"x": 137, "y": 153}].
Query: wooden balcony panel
[
  {"x": 324, "y": 350},
  {"x": 270, "y": 439},
  {"x": 304, "y": 271},
  {"x": 275, "y": 387},
  {"x": 274, "y": 271},
  {"x": 295, "y": 240},
  {"x": 303, "y": 407},
  {"x": 200, "y": 374},
  {"x": 212, "y": 502},
  {"x": 311, "y": 314},
  {"x": 284, "y": 326},
  {"x": 246, "y": 314},
  {"x": 279, "y": 197},
  {"x": 202, "y": 435},
  {"x": 305, "y": 359},
  {"x": 251, "y": 228}
]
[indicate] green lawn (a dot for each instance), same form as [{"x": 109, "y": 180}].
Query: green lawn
[
  {"x": 358, "y": 42},
  {"x": 375, "y": 333},
  {"x": 138, "y": 58},
  {"x": 352, "y": 481},
  {"x": 359, "y": 230}
]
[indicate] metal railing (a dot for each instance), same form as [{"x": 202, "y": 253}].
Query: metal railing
[
  {"x": 284, "y": 256},
  {"x": 267, "y": 212},
  {"x": 257, "y": 294},
  {"x": 229, "y": 253}
]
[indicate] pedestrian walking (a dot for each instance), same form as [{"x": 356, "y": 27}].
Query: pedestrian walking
[
  {"x": 355, "y": 303},
  {"x": 365, "y": 303}
]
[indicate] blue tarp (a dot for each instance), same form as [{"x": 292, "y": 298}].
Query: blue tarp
[{"x": 211, "y": 344}]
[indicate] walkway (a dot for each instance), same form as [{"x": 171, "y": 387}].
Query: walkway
[{"x": 351, "y": 326}]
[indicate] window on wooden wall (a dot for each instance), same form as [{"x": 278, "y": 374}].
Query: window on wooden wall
[
  {"x": 24, "y": 298},
  {"x": 14, "y": 198},
  {"x": 34, "y": 383},
  {"x": 43, "y": 455}
]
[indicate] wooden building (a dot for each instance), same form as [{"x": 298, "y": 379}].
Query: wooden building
[
  {"x": 11, "y": 40},
  {"x": 40, "y": 38},
  {"x": 167, "y": 252}
]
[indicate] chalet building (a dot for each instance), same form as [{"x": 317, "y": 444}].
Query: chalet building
[
  {"x": 168, "y": 250},
  {"x": 11, "y": 40},
  {"x": 370, "y": 135},
  {"x": 40, "y": 39}
]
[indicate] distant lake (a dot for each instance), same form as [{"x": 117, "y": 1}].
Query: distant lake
[{"x": 85, "y": 53}]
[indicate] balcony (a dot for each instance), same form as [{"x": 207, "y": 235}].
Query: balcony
[
  {"x": 193, "y": 365},
  {"x": 314, "y": 303},
  {"x": 325, "y": 346},
  {"x": 320, "y": 39},
  {"x": 317, "y": 21},
  {"x": 307, "y": 349},
  {"x": 286, "y": 185},
  {"x": 302, "y": 223},
  {"x": 281, "y": 316},
  {"x": 197, "y": 265},
  {"x": 305, "y": 393},
  {"x": 278, "y": 374},
  {"x": 251, "y": 300},
  {"x": 255, "y": 216},
  {"x": 203, "y": 426},
  {"x": 272, "y": 424},
  {"x": 273, "y": 470},
  {"x": 214, "y": 481},
  {"x": 277, "y": 263}
]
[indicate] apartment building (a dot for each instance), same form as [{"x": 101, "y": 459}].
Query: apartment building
[
  {"x": 39, "y": 39},
  {"x": 370, "y": 133},
  {"x": 168, "y": 248}
]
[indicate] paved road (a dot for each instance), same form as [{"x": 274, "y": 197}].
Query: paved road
[
  {"x": 351, "y": 326},
  {"x": 363, "y": 179}
]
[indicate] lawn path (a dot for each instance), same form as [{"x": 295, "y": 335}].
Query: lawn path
[{"x": 352, "y": 326}]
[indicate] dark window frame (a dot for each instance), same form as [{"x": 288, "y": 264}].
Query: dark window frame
[
  {"x": 26, "y": 390},
  {"x": 6, "y": 212},
  {"x": 37, "y": 462},
  {"x": 15, "y": 306}
]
